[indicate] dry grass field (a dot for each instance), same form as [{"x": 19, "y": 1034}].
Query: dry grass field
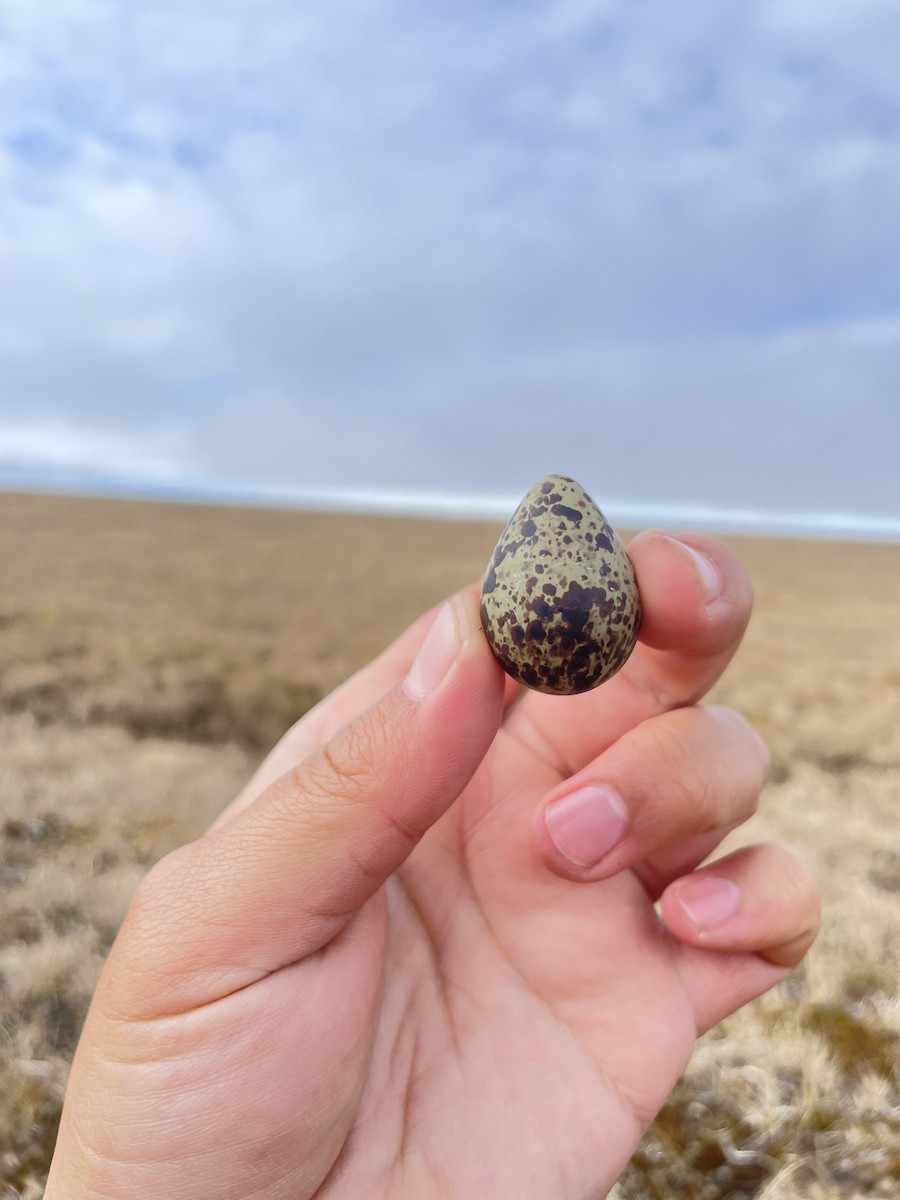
[{"x": 149, "y": 654}]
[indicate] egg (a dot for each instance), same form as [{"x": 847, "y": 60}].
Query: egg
[{"x": 559, "y": 602}]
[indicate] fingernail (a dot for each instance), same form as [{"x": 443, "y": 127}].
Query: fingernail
[
  {"x": 586, "y": 824},
  {"x": 709, "y": 900},
  {"x": 436, "y": 655},
  {"x": 707, "y": 571}
]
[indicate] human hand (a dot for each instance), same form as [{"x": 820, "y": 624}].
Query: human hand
[{"x": 378, "y": 976}]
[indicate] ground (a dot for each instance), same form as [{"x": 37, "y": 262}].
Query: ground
[{"x": 150, "y": 653}]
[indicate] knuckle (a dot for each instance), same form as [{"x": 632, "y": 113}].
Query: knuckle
[
  {"x": 340, "y": 771},
  {"x": 686, "y": 784},
  {"x": 750, "y": 742},
  {"x": 798, "y": 891},
  {"x": 347, "y": 769},
  {"x": 152, "y": 895},
  {"x": 789, "y": 954},
  {"x": 800, "y": 873},
  {"x": 157, "y": 907}
]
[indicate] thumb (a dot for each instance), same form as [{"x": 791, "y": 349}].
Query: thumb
[{"x": 281, "y": 879}]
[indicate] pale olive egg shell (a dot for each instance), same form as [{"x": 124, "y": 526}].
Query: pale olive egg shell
[{"x": 559, "y": 603}]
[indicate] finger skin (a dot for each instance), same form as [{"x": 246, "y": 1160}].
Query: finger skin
[
  {"x": 318, "y": 726},
  {"x": 775, "y": 923},
  {"x": 684, "y": 647},
  {"x": 679, "y": 615},
  {"x": 687, "y": 639},
  {"x": 778, "y": 907},
  {"x": 313, "y": 730},
  {"x": 685, "y": 778},
  {"x": 282, "y": 878},
  {"x": 776, "y": 919}
]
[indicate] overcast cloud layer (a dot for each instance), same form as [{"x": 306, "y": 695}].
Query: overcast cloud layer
[{"x": 380, "y": 243}]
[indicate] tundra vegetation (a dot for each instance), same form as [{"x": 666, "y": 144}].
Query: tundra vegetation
[{"x": 150, "y": 654}]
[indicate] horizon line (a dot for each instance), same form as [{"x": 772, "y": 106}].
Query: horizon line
[{"x": 484, "y": 506}]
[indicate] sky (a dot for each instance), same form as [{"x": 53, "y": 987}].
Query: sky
[{"x": 376, "y": 244}]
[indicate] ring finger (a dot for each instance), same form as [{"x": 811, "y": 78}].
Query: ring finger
[{"x": 658, "y": 801}]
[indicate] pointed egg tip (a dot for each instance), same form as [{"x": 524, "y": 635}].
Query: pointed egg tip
[{"x": 559, "y": 602}]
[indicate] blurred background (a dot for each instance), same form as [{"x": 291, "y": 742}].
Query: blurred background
[{"x": 268, "y": 249}]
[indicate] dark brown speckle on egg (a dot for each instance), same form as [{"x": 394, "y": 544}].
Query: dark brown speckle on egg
[{"x": 573, "y": 628}]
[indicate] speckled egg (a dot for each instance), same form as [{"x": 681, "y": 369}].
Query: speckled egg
[{"x": 560, "y": 603}]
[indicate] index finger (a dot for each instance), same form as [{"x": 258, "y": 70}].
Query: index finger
[{"x": 696, "y": 599}]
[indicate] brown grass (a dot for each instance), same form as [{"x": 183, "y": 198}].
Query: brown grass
[{"x": 150, "y": 653}]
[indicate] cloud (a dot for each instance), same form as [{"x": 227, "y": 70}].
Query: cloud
[
  {"x": 374, "y": 243},
  {"x": 63, "y": 448}
]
